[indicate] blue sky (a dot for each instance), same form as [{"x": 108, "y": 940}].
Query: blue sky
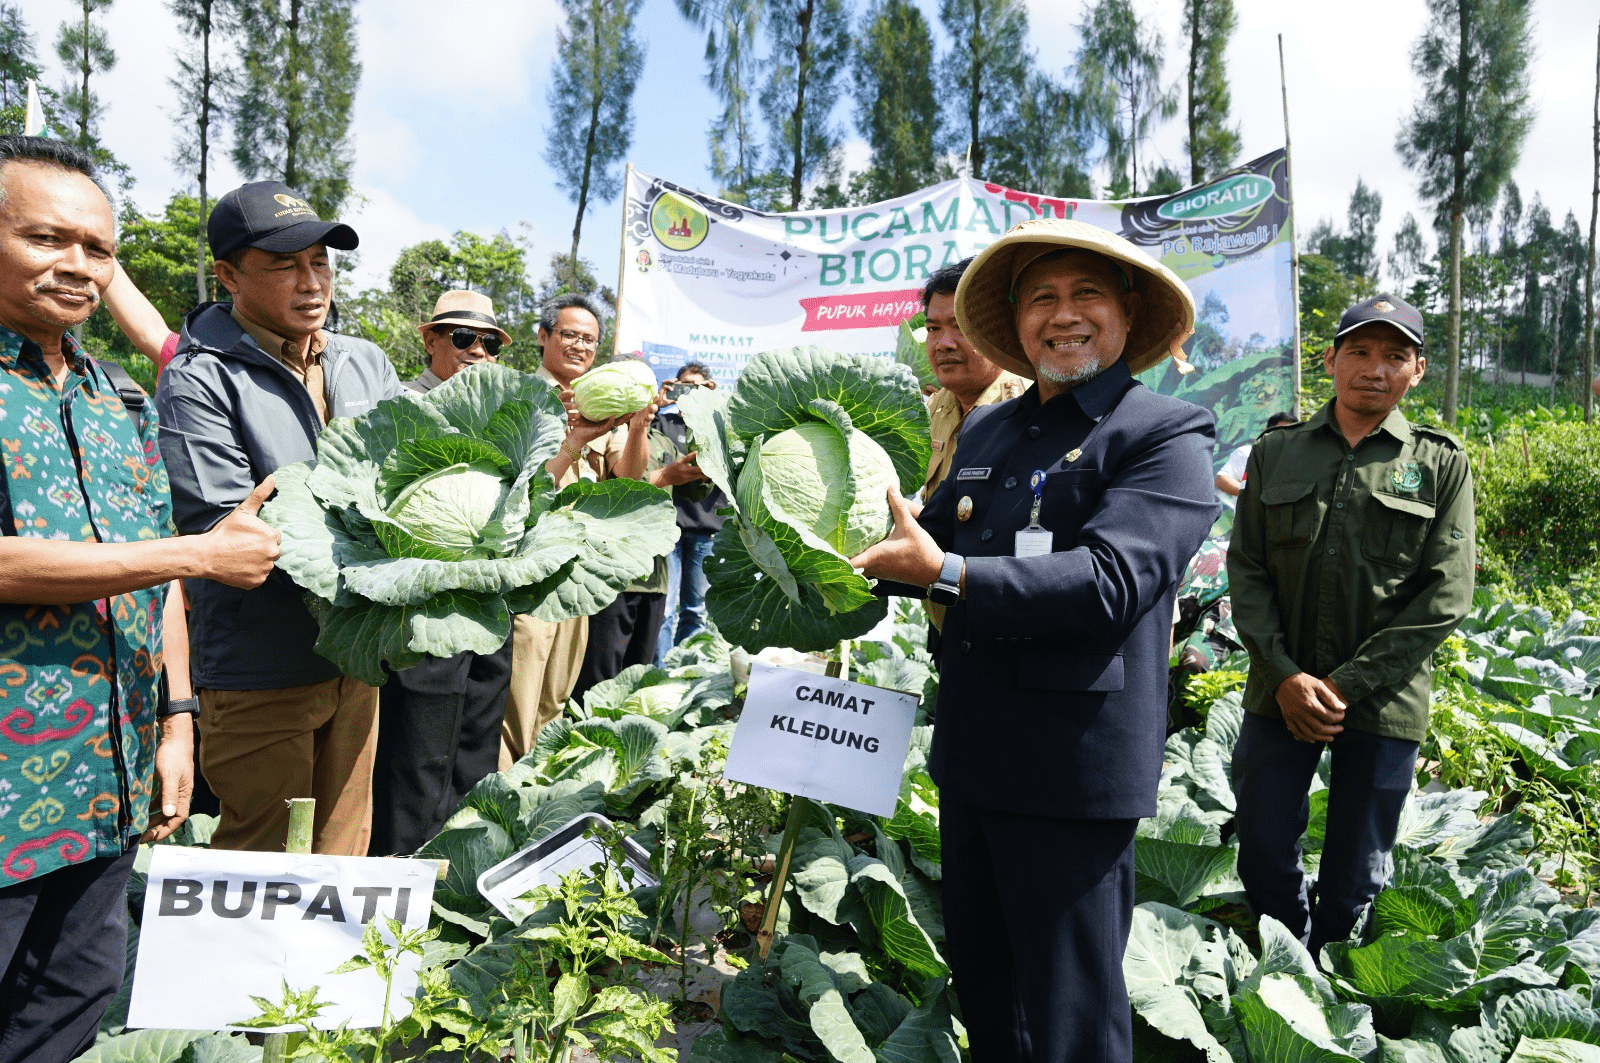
[{"x": 450, "y": 119}]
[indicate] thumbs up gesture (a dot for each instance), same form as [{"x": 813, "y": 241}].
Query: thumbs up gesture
[{"x": 242, "y": 548}]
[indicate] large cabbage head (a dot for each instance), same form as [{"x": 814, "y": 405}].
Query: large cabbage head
[
  {"x": 833, "y": 485},
  {"x": 449, "y": 508},
  {"x": 615, "y": 389}
]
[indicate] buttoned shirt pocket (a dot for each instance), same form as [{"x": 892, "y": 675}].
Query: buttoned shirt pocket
[
  {"x": 1291, "y": 513},
  {"x": 1070, "y": 496},
  {"x": 1089, "y": 673},
  {"x": 1396, "y": 529}
]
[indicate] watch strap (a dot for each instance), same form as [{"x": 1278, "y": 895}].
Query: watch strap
[
  {"x": 946, "y": 590},
  {"x": 191, "y": 706}
]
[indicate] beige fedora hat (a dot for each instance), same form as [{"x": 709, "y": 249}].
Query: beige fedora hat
[
  {"x": 473, "y": 309},
  {"x": 987, "y": 313}
]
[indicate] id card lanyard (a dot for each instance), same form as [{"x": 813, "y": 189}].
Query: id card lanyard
[{"x": 1034, "y": 539}]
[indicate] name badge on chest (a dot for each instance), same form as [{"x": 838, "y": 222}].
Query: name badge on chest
[
  {"x": 973, "y": 474},
  {"x": 1035, "y": 540}
]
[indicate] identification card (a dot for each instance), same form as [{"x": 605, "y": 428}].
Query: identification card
[{"x": 1031, "y": 542}]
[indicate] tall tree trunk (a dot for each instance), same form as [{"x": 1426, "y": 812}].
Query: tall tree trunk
[
  {"x": 595, "y": 95},
  {"x": 1452, "y": 364},
  {"x": 294, "y": 109},
  {"x": 1588, "y": 262},
  {"x": 1195, "y": 176},
  {"x": 83, "y": 101},
  {"x": 799, "y": 115},
  {"x": 205, "y": 129},
  {"x": 975, "y": 150}
]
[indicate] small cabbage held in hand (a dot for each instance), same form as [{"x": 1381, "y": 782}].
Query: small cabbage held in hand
[
  {"x": 807, "y": 451},
  {"x": 615, "y": 389},
  {"x": 425, "y": 523}
]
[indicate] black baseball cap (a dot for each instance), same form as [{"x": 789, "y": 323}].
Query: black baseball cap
[
  {"x": 1385, "y": 308},
  {"x": 274, "y": 217}
]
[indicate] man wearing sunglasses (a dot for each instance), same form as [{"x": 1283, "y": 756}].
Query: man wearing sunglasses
[
  {"x": 439, "y": 720},
  {"x": 462, "y": 332}
]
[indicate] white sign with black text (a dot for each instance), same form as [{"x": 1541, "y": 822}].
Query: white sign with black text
[
  {"x": 822, "y": 738},
  {"x": 220, "y": 927}
]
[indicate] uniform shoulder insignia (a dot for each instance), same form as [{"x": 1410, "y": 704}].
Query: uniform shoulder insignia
[{"x": 1434, "y": 432}]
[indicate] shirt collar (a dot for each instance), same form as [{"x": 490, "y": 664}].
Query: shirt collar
[
  {"x": 428, "y": 379},
  {"x": 17, "y": 351},
  {"x": 274, "y": 344},
  {"x": 1095, "y": 397},
  {"x": 1394, "y": 423}
]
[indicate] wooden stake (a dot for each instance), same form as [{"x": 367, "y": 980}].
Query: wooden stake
[
  {"x": 1588, "y": 266},
  {"x": 302, "y": 813},
  {"x": 622, "y": 261},
  {"x": 1294, "y": 243}
]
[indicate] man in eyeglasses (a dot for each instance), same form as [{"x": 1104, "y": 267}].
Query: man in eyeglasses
[
  {"x": 439, "y": 720},
  {"x": 462, "y": 332}
]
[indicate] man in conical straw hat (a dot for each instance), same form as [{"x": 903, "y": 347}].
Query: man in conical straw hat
[{"x": 1056, "y": 542}]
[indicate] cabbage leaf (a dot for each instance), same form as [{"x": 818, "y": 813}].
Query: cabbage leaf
[{"x": 425, "y": 523}]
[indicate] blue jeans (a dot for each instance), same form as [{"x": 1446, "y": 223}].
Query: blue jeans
[
  {"x": 1367, "y": 788},
  {"x": 686, "y": 598}
]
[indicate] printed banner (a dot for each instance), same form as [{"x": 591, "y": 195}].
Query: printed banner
[
  {"x": 823, "y": 738},
  {"x": 714, "y": 282},
  {"x": 220, "y": 927}
]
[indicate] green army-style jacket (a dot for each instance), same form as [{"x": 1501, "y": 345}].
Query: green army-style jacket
[{"x": 1352, "y": 564}]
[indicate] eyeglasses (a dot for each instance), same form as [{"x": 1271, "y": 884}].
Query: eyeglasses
[
  {"x": 462, "y": 339},
  {"x": 576, "y": 339}
]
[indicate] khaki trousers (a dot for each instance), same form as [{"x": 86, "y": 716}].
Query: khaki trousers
[
  {"x": 545, "y": 659},
  {"x": 259, "y": 748}
]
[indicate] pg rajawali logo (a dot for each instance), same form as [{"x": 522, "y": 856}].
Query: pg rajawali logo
[{"x": 678, "y": 222}]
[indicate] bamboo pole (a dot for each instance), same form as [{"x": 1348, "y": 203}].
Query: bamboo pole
[
  {"x": 1294, "y": 242},
  {"x": 622, "y": 260},
  {"x": 302, "y": 813},
  {"x": 838, "y": 668}
]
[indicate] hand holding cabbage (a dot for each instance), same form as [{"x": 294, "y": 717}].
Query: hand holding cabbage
[
  {"x": 806, "y": 451},
  {"x": 426, "y": 522}
]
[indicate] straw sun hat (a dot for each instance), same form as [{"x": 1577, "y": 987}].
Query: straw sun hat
[
  {"x": 988, "y": 317},
  {"x": 473, "y": 309}
]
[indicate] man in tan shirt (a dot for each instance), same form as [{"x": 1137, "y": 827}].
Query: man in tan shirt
[{"x": 967, "y": 380}]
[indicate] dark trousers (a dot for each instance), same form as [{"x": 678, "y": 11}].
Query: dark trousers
[
  {"x": 64, "y": 945},
  {"x": 621, "y": 635},
  {"x": 1036, "y": 915},
  {"x": 1367, "y": 788},
  {"x": 438, "y": 734}
]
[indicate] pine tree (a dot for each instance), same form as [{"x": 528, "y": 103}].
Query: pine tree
[
  {"x": 1119, "y": 70},
  {"x": 83, "y": 48},
  {"x": 1409, "y": 254},
  {"x": 1360, "y": 258},
  {"x": 986, "y": 71},
  {"x": 597, "y": 64},
  {"x": 896, "y": 110},
  {"x": 1212, "y": 144},
  {"x": 810, "y": 42},
  {"x": 1465, "y": 133},
  {"x": 1045, "y": 140},
  {"x": 297, "y": 85},
  {"x": 202, "y": 85},
  {"x": 731, "y": 27},
  {"x": 17, "y": 53}
]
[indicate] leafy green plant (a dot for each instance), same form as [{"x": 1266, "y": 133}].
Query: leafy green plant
[
  {"x": 425, "y": 523},
  {"x": 614, "y": 389},
  {"x": 842, "y": 430}
]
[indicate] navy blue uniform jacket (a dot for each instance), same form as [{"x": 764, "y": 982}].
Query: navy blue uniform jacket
[{"x": 1053, "y": 671}]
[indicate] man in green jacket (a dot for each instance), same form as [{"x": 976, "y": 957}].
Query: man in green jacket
[{"x": 1351, "y": 560}]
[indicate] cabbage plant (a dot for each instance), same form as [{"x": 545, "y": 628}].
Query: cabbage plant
[
  {"x": 425, "y": 523},
  {"x": 806, "y": 451}
]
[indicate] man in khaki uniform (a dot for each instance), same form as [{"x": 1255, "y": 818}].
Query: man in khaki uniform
[
  {"x": 967, "y": 380},
  {"x": 545, "y": 657}
]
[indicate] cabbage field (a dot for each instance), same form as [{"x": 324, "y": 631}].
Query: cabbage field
[{"x": 1484, "y": 948}]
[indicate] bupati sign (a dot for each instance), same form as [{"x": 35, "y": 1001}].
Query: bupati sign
[{"x": 711, "y": 281}]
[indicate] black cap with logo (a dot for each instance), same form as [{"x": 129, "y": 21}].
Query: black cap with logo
[
  {"x": 274, "y": 217},
  {"x": 1385, "y": 308}
]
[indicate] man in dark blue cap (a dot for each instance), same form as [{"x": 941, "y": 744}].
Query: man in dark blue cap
[
  {"x": 1351, "y": 560},
  {"x": 248, "y": 392}
]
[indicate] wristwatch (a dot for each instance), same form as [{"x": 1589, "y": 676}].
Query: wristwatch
[
  {"x": 191, "y": 706},
  {"x": 946, "y": 590}
]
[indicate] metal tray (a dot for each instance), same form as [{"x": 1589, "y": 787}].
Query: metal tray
[{"x": 546, "y": 860}]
